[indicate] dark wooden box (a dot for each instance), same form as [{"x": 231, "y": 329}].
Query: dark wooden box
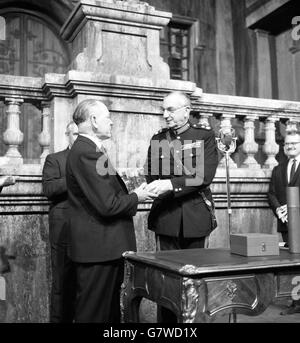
[{"x": 254, "y": 244}]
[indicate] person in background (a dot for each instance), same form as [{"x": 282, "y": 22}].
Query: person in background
[
  {"x": 62, "y": 300},
  {"x": 285, "y": 174}
]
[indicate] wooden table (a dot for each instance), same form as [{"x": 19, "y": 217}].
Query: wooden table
[{"x": 196, "y": 284}]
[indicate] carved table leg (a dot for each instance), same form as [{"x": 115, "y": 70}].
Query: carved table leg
[{"x": 129, "y": 303}]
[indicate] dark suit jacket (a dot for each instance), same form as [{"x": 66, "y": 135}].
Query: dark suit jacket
[
  {"x": 101, "y": 209},
  {"x": 184, "y": 206},
  {"x": 55, "y": 189},
  {"x": 277, "y": 189}
]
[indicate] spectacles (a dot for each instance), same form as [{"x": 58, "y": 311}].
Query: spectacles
[
  {"x": 171, "y": 110},
  {"x": 291, "y": 143}
]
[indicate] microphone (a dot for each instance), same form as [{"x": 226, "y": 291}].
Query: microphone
[{"x": 226, "y": 140}]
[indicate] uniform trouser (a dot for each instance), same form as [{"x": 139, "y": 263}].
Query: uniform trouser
[
  {"x": 164, "y": 315},
  {"x": 98, "y": 292},
  {"x": 62, "y": 303}
]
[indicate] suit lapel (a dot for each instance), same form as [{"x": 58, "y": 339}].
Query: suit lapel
[{"x": 296, "y": 177}]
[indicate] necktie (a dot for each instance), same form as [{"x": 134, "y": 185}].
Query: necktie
[{"x": 293, "y": 170}]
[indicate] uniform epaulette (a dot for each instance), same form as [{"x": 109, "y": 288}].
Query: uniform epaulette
[
  {"x": 164, "y": 129},
  {"x": 202, "y": 126}
]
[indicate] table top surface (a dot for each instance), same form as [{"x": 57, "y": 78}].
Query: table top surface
[{"x": 203, "y": 261}]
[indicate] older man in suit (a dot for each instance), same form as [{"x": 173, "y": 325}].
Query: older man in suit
[
  {"x": 63, "y": 274},
  {"x": 100, "y": 215},
  {"x": 285, "y": 174}
]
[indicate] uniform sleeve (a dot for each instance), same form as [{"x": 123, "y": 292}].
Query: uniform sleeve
[
  {"x": 53, "y": 183},
  {"x": 273, "y": 201},
  {"x": 180, "y": 184},
  {"x": 147, "y": 168},
  {"x": 97, "y": 186}
]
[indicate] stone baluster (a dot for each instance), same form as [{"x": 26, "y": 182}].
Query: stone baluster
[
  {"x": 250, "y": 147},
  {"x": 12, "y": 136},
  {"x": 204, "y": 119},
  {"x": 270, "y": 147},
  {"x": 44, "y": 136}
]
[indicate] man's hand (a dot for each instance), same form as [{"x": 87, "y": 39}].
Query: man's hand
[
  {"x": 282, "y": 213},
  {"x": 143, "y": 193},
  {"x": 160, "y": 186},
  {"x": 7, "y": 180}
]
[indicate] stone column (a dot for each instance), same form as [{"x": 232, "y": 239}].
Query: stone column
[
  {"x": 44, "y": 137},
  {"x": 264, "y": 65},
  {"x": 270, "y": 147},
  {"x": 204, "y": 119},
  {"x": 117, "y": 38},
  {"x": 12, "y": 136},
  {"x": 250, "y": 147},
  {"x": 226, "y": 126},
  {"x": 295, "y": 50}
]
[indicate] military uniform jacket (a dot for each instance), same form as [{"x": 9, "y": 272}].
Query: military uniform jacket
[
  {"x": 277, "y": 190},
  {"x": 184, "y": 206}
]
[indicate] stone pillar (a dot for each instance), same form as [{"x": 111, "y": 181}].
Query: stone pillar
[
  {"x": 117, "y": 38},
  {"x": 226, "y": 126},
  {"x": 12, "y": 136},
  {"x": 2, "y": 28},
  {"x": 264, "y": 65},
  {"x": 295, "y": 50},
  {"x": 204, "y": 119},
  {"x": 250, "y": 147},
  {"x": 270, "y": 147},
  {"x": 44, "y": 137},
  {"x": 224, "y": 48}
]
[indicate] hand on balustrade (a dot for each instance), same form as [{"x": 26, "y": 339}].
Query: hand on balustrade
[
  {"x": 282, "y": 213},
  {"x": 7, "y": 180}
]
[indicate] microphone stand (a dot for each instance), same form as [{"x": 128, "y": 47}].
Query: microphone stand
[
  {"x": 226, "y": 143},
  {"x": 226, "y": 150}
]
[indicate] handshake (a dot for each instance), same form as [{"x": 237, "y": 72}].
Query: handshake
[
  {"x": 282, "y": 213},
  {"x": 153, "y": 190}
]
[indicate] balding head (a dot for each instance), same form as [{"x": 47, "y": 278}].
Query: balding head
[
  {"x": 178, "y": 99},
  {"x": 176, "y": 107},
  {"x": 71, "y": 133},
  {"x": 93, "y": 118}
]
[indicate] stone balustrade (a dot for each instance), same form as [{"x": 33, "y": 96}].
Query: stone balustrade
[{"x": 221, "y": 112}]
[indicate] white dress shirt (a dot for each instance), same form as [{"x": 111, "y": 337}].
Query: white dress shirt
[
  {"x": 94, "y": 139},
  {"x": 289, "y": 166}
]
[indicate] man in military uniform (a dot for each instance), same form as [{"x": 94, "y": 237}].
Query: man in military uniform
[
  {"x": 182, "y": 162},
  {"x": 181, "y": 217}
]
